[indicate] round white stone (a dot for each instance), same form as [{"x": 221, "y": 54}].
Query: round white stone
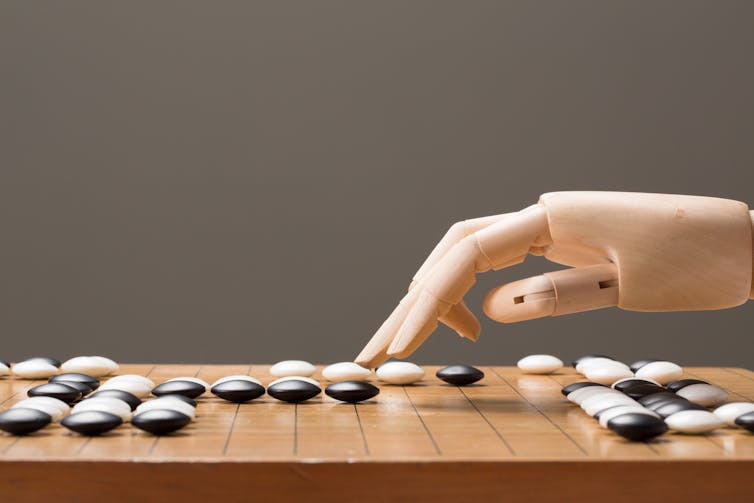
[
  {"x": 662, "y": 372},
  {"x": 288, "y": 368},
  {"x": 113, "y": 366},
  {"x": 582, "y": 394},
  {"x": 599, "y": 403},
  {"x": 634, "y": 378},
  {"x": 400, "y": 372},
  {"x": 345, "y": 371},
  {"x": 597, "y": 360},
  {"x": 238, "y": 377},
  {"x": 34, "y": 369},
  {"x": 608, "y": 414},
  {"x": 86, "y": 365},
  {"x": 191, "y": 379},
  {"x": 731, "y": 411},
  {"x": 706, "y": 395},
  {"x": 295, "y": 378},
  {"x": 138, "y": 388},
  {"x": 105, "y": 404},
  {"x": 539, "y": 364},
  {"x": 133, "y": 377},
  {"x": 52, "y": 406},
  {"x": 4, "y": 370},
  {"x": 167, "y": 403},
  {"x": 693, "y": 421},
  {"x": 607, "y": 373}
]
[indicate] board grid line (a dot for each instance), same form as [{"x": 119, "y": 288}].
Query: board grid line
[
  {"x": 361, "y": 430},
  {"x": 424, "y": 424},
  {"x": 489, "y": 423}
]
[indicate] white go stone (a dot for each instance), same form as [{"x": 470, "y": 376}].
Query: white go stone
[
  {"x": 663, "y": 372},
  {"x": 113, "y": 366},
  {"x": 693, "y": 421},
  {"x": 582, "y": 394},
  {"x": 607, "y": 415},
  {"x": 52, "y": 406},
  {"x": 133, "y": 377},
  {"x": 607, "y": 373},
  {"x": 597, "y": 360},
  {"x": 400, "y": 372},
  {"x": 4, "y": 370},
  {"x": 345, "y": 371},
  {"x": 599, "y": 403},
  {"x": 86, "y": 365},
  {"x": 104, "y": 404},
  {"x": 730, "y": 411},
  {"x": 292, "y": 368},
  {"x": 238, "y": 377},
  {"x": 539, "y": 364},
  {"x": 136, "y": 387},
  {"x": 706, "y": 395},
  {"x": 168, "y": 403},
  {"x": 34, "y": 369},
  {"x": 295, "y": 378},
  {"x": 191, "y": 379}
]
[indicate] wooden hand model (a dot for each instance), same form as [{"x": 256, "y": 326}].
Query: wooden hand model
[{"x": 640, "y": 252}]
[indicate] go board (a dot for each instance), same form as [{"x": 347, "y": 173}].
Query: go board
[{"x": 511, "y": 437}]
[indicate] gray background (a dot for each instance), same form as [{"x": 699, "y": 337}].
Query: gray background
[{"x": 254, "y": 181}]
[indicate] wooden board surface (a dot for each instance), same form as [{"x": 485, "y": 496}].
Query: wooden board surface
[{"x": 504, "y": 430}]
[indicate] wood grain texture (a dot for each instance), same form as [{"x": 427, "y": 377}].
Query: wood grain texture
[{"x": 511, "y": 435}]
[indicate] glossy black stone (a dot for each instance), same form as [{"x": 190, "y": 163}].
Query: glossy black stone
[
  {"x": 639, "y": 364},
  {"x": 238, "y": 390},
  {"x": 90, "y": 381},
  {"x": 637, "y": 427},
  {"x": 628, "y": 383},
  {"x": 648, "y": 400},
  {"x": 51, "y": 361},
  {"x": 642, "y": 390},
  {"x": 91, "y": 422},
  {"x": 189, "y": 389},
  {"x": 293, "y": 390},
  {"x": 182, "y": 398},
  {"x": 160, "y": 421},
  {"x": 57, "y": 390},
  {"x": 587, "y": 357},
  {"x": 567, "y": 390},
  {"x": 746, "y": 421},
  {"x": 677, "y": 385},
  {"x": 5, "y": 362},
  {"x": 21, "y": 421},
  {"x": 83, "y": 388},
  {"x": 132, "y": 400},
  {"x": 670, "y": 408},
  {"x": 352, "y": 391},
  {"x": 460, "y": 375}
]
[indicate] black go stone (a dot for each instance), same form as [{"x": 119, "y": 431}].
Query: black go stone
[
  {"x": 637, "y": 427},
  {"x": 51, "y": 361},
  {"x": 5, "y": 362},
  {"x": 238, "y": 390},
  {"x": 642, "y": 390},
  {"x": 90, "y": 381},
  {"x": 58, "y": 390},
  {"x": 639, "y": 364},
  {"x": 132, "y": 400},
  {"x": 746, "y": 421},
  {"x": 352, "y": 391},
  {"x": 648, "y": 400},
  {"x": 91, "y": 422},
  {"x": 22, "y": 421},
  {"x": 160, "y": 421},
  {"x": 293, "y": 390},
  {"x": 567, "y": 390},
  {"x": 189, "y": 389},
  {"x": 182, "y": 398},
  {"x": 628, "y": 383},
  {"x": 678, "y": 385},
  {"x": 82, "y": 387},
  {"x": 588, "y": 357},
  {"x": 460, "y": 375},
  {"x": 670, "y": 408}
]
